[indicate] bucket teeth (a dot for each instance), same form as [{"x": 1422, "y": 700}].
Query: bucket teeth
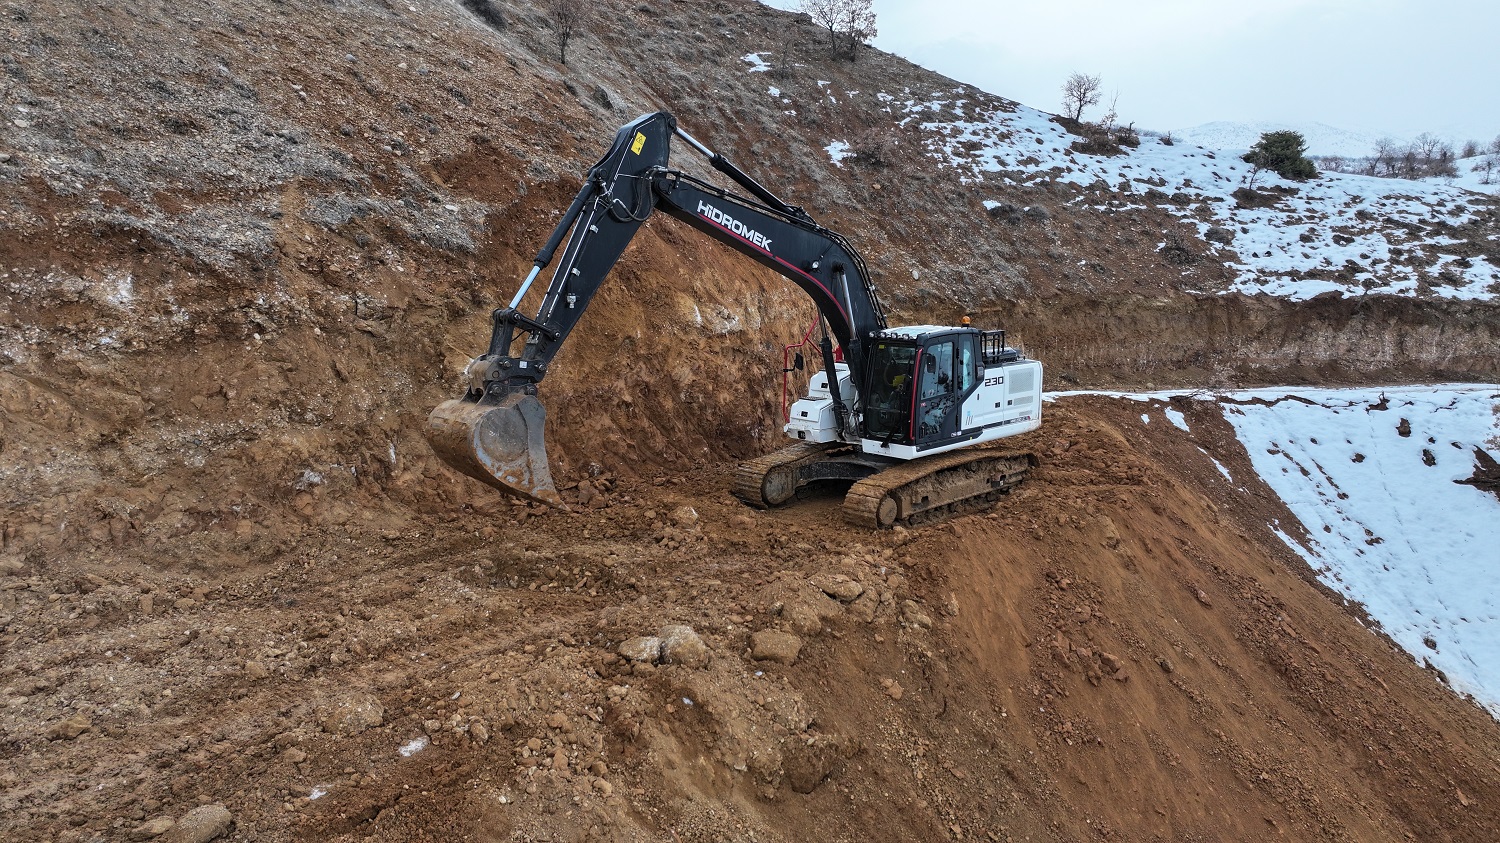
[{"x": 499, "y": 443}]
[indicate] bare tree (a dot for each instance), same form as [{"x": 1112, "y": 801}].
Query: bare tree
[
  {"x": 569, "y": 17},
  {"x": 851, "y": 22},
  {"x": 1426, "y": 146},
  {"x": 1471, "y": 149},
  {"x": 1080, "y": 92},
  {"x": 1383, "y": 161}
]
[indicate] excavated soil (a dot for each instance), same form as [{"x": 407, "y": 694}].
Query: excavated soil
[
  {"x": 1120, "y": 649},
  {"x": 243, "y": 251}
]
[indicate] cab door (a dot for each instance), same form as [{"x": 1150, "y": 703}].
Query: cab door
[
  {"x": 938, "y": 398},
  {"x": 949, "y": 374}
]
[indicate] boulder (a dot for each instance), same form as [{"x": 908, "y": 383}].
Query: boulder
[
  {"x": 681, "y": 645},
  {"x": 352, "y": 714},
  {"x": 775, "y": 645},
  {"x": 642, "y": 648},
  {"x": 200, "y": 825}
]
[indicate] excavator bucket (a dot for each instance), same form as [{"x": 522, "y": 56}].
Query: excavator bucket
[{"x": 499, "y": 443}]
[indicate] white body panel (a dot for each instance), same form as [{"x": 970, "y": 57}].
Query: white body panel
[{"x": 813, "y": 417}]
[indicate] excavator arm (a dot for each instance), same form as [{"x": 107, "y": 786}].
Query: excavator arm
[{"x": 494, "y": 432}]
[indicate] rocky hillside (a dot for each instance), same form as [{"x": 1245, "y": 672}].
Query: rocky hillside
[{"x": 244, "y": 248}]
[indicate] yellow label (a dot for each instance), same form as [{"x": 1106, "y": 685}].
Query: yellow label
[{"x": 640, "y": 141}]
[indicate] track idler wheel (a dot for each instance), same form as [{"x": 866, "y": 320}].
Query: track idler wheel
[{"x": 499, "y": 443}]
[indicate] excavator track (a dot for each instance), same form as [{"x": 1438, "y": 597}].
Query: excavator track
[
  {"x": 772, "y": 480},
  {"x": 934, "y": 487}
]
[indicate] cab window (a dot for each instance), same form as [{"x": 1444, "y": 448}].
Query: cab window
[
  {"x": 937, "y": 370},
  {"x": 968, "y": 364}
]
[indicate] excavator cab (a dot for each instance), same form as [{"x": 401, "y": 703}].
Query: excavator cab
[{"x": 919, "y": 378}]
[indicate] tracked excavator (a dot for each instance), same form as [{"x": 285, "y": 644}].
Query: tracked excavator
[{"x": 897, "y": 410}]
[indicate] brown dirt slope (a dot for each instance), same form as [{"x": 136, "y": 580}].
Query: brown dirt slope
[
  {"x": 245, "y": 247},
  {"x": 1119, "y": 650}
]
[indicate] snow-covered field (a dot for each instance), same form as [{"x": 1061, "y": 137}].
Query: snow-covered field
[
  {"x": 1371, "y": 475},
  {"x": 1354, "y": 235}
]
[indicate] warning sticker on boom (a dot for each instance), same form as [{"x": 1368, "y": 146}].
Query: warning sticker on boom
[{"x": 640, "y": 141}]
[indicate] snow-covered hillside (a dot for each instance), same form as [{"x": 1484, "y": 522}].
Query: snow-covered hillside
[
  {"x": 1371, "y": 475},
  {"x": 1480, "y": 174},
  {"x": 1349, "y": 234},
  {"x": 1345, "y": 234},
  {"x": 1322, "y": 139}
]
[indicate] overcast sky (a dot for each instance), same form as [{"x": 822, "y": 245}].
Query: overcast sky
[{"x": 1393, "y": 67}]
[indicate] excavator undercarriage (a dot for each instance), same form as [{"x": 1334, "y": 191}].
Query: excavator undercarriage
[{"x": 885, "y": 492}]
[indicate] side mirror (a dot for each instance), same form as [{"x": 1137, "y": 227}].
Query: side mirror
[{"x": 798, "y": 362}]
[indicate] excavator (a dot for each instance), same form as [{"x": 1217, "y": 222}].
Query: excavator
[{"x": 898, "y": 411}]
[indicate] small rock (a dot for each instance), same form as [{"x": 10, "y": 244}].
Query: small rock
[
  {"x": 1111, "y": 662},
  {"x": 681, "y": 645},
  {"x": 147, "y": 604},
  {"x": 152, "y": 828},
  {"x": 914, "y": 615},
  {"x": 255, "y": 670},
  {"x": 294, "y": 755},
  {"x": 811, "y": 611},
  {"x": 1165, "y": 664},
  {"x": 863, "y": 609},
  {"x": 893, "y": 689},
  {"x": 184, "y": 604},
  {"x": 352, "y": 715},
  {"x": 557, "y": 720},
  {"x": 11, "y": 567},
  {"x": 838, "y": 586},
  {"x": 559, "y": 760},
  {"x": 71, "y": 728},
  {"x": 808, "y": 764},
  {"x": 1219, "y": 234},
  {"x": 200, "y": 825},
  {"x": 685, "y": 517},
  {"x": 1202, "y": 597},
  {"x": 479, "y": 732},
  {"x": 605, "y": 788},
  {"x": 642, "y": 648},
  {"x": 774, "y": 645}
]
